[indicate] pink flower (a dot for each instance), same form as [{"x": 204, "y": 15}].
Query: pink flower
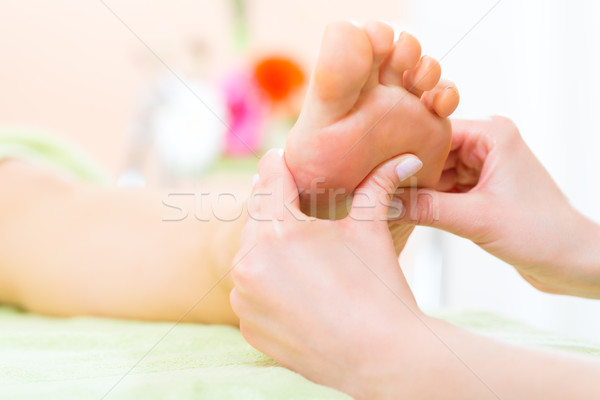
[{"x": 248, "y": 111}]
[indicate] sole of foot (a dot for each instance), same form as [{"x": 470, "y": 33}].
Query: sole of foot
[{"x": 369, "y": 99}]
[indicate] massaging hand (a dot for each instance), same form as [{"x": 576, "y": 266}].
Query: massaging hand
[
  {"x": 497, "y": 194},
  {"x": 325, "y": 298}
]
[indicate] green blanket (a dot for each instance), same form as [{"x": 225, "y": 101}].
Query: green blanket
[
  {"x": 88, "y": 358},
  {"x": 93, "y": 358}
]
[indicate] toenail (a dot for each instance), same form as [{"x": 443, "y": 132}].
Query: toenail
[
  {"x": 255, "y": 179},
  {"x": 355, "y": 23},
  {"x": 408, "y": 167}
]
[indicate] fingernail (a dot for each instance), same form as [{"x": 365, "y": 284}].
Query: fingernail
[
  {"x": 408, "y": 167},
  {"x": 255, "y": 180},
  {"x": 278, "y": 151},
  {"x": 396, "y": 208}
]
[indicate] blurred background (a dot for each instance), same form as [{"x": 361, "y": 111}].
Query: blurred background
[{"x": 150, "y": 88}]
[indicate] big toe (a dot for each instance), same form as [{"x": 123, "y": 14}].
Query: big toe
[{"x": 342, "y": 70}]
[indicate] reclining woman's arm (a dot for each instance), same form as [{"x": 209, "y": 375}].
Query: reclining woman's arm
[{"x": 70, "y": 249}]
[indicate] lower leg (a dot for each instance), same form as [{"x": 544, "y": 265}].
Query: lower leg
[{"x": 96, "y": 251}]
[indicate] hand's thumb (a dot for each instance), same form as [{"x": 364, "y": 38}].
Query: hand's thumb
[{"x": 373, "y": 197}]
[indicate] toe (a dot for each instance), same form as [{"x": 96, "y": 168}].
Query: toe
[
  {"x": 341, "y": 72},
  {"x": 381, "y": 36},
  {"x": 443, "y": 99},
  {"x": 404, "y": 56},
  {"x": 424, "y": 76}
]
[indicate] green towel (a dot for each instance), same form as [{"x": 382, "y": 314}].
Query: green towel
[
  {"x": 49, "y": 152},
  {"x": 83, "y": 358},
  {"x": 88, "y": 358}
]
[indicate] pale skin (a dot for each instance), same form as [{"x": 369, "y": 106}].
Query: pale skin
[
  {"x": 107, "y": 252},
  {"x": 151, "y": 270},
  {"x": 353, "y": 295},
  {"x": 328, "y": 300},
  {"x": 89, "y": 250},
  {"x": 369, "y": 100},
  {"x": 494, "y": 192}
]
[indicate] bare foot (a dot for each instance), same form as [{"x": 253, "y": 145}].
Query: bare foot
[{"x": 369, "y": 100}]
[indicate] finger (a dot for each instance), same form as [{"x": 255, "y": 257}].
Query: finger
[
  {"x": 275, "y": 191},
  {"x": 471, "y": 131},
  {"x": 466, "y": 126},
  {"x": 457, "y": 213},
  {"x": 466, "y": 176},
  {"x": 452, "y": 181},
  {"x": 460, "y": 131},
  {"x": 451, "y": 160},
  {"x": 373, "y": 197},
  {"x": 447, "y": 181},
  {"x": 471, "y": 143},
  {"x": 463, "y": 188}
]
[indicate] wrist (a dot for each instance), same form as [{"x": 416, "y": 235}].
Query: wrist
[
  {"x": 569, "y": 261},
  {"x": 407, "y": 360}
]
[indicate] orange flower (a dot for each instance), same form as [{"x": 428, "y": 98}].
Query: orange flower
[{"x": 279, "y": 77}]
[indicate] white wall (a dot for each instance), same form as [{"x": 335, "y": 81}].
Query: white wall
[{"x": 536, "y": 62}]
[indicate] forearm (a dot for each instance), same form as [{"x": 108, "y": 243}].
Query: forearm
[
  {"x": 479, "y": 367},
  {"x": 574, "y": 268},
  {"x": 452, "y": 363},
  {"x": 80, "y": 250},
  {"x": 558, "y": 252}
]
